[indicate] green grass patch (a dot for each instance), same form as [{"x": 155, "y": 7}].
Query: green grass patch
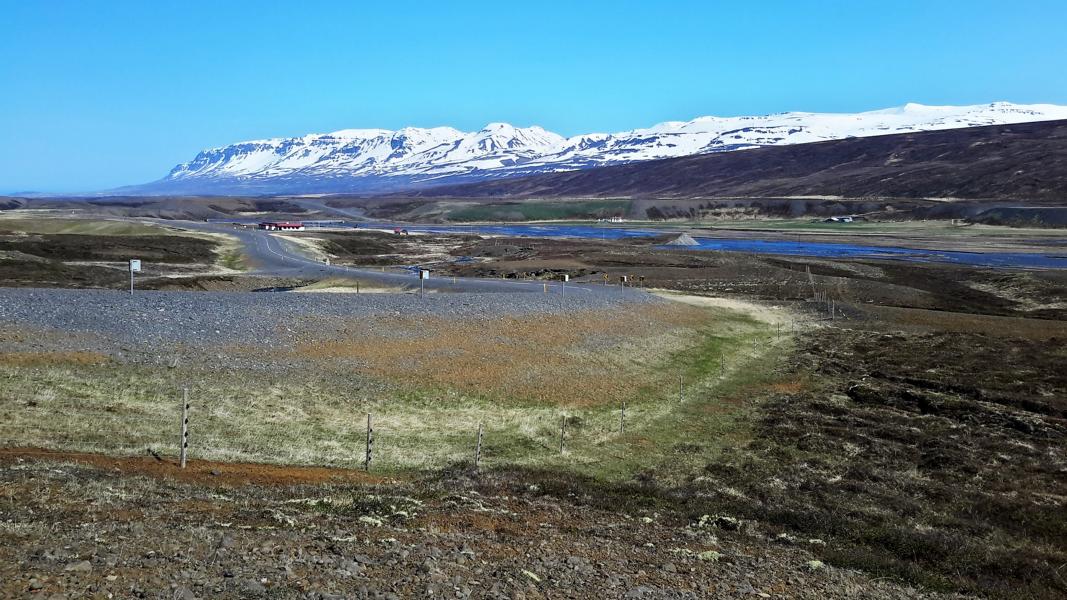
[
  {"x": 540, "y": 211},
  {"x": 234, "y": 259},
  {"x": 78, "y": 226},
  {"x": 938, "y": 228}
]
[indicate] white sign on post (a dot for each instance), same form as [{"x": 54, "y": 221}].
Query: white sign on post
[
  {"x": 424, "y": 274},
  {"x": 135, "y": 267}
]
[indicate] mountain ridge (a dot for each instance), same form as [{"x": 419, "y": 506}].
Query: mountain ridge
[
  {"x": 1019, "y": 161},
  {"x": 385, "y": 161}
]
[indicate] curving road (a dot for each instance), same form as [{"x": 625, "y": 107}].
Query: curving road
[{"x": 271, "y": 255}]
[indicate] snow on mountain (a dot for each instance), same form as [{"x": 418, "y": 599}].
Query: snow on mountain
[{"x": 354, "y": 160}]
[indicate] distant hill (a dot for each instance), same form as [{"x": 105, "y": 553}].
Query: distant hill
[
  {"x": 1025, "y": 162},
  {"x": 8, "y": 203}
]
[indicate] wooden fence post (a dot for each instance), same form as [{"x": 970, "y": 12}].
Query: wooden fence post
[
  {"x": 478, "y": 448},
  {"x": 370, "y": 445},
  {"x": 562, "y": 432},
  {"x": 184, "y": 441}
]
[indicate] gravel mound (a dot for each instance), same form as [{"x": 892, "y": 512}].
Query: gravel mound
[
  {"x": 145, "y": 322},
  {"x": 683, "y": 240}
]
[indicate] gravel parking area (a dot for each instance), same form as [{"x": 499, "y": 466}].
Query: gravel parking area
[{"x": 135, "y": 327}]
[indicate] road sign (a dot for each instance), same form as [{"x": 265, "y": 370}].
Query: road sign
[
  {"x": 424, "y": 274},
  {"x": 135, "y": 267}
]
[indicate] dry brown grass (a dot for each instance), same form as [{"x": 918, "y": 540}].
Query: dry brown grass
[
  {"x": 577, "y": 360},
  {"x": 31, "y": 359},
  {"x": 788, "y": 387}
]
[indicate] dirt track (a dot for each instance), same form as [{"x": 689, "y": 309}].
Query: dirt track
[{"x": 196, "y": 471}]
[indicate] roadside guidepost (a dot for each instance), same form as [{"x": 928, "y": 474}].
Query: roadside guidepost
[
  {"x": 478, "y": 448},
  {"x": 135, "y": 267},
  {"x": 622, "y": 418},
  {"x": 183, "y": 445},
  {"x": 424, "y": 274},
  {"x": 563, "y": 286},
  {"x": 722, "y": 366},
  {"x": 370, "y": 445},
  {"x": 681, "y": 389},
  {"x": 562, "y": 432}
]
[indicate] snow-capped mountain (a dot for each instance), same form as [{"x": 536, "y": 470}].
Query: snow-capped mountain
[{"x": 372, "y": 160}]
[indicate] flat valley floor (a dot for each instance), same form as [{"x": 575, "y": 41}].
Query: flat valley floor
[{"x": 723, "y": 434}]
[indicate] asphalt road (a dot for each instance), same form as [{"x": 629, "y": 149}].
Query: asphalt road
[{"x": 272, "y": 255}]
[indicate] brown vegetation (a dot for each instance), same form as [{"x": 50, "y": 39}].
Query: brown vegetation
[{"x": 575, "y": 360}]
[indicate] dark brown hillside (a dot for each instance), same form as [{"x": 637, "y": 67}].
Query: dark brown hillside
[{"x": 1003, "y": 162}]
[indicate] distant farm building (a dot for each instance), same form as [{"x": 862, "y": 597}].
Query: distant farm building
[{"x": 282, "y": 226}]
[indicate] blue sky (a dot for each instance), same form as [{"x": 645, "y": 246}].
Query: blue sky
[{"x": 100, "y": 94}]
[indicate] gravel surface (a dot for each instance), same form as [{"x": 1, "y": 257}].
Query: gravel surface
[{"x": 146, "y": 323}]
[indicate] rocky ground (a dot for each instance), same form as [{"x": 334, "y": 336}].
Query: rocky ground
[{"x": 130, "y": 528}]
